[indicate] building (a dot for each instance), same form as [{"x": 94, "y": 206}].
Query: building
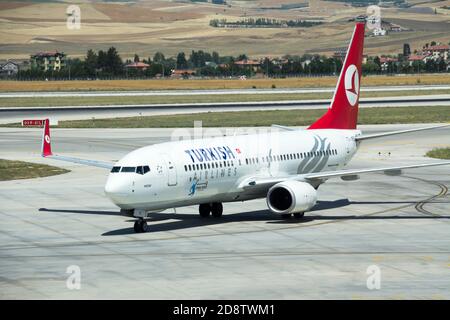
[
  {"x": 248, "y": 63},
  {"x": 418, "y": 57},
  {"x": 9, "y": 69},
  {"x": 137, "y": 66},
  {"x": 340, "y": 54},
  {"x": 386, "y": 61},
  {"x": 379, "y": 32},
  {"x": 182, "y": 73},
  {"x": 45, "y": 61},
  {"x": 437, "y": 51}
]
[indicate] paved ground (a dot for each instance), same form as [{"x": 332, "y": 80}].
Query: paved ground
[
  {"x": 68, "y": 112},
  {"x": 399, "y": 224},
  {"x": 131, "y": 93}
]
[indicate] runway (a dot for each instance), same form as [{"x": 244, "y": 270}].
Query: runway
[
  {"x": 399, "y": 224},
  {"x": 17, "y": 114},
  {"x": 128, "y": 93}
]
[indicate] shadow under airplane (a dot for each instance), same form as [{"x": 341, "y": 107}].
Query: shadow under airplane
[{"x": 186, "y": 221}]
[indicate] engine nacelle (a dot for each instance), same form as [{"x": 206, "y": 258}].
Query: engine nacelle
[{"x": 291, "y": 196}]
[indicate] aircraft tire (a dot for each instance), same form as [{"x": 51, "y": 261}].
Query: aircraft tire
[
  {"x": 140, "y": 226},
  {"x": 205, "y": 210},
  {"x": 299, "y": 215},
  {"x": 217, "y": 209}
]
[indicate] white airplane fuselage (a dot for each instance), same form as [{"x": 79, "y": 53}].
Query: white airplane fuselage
[{"x": 190, "y": 172}]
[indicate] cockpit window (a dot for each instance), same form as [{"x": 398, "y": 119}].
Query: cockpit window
[
  {"x": 142, "y": 169},
  {"x": 115, "y": 169},
  {"x": 128, "y": 169}
]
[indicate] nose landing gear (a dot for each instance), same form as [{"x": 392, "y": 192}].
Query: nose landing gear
[{"x": 140, "y": 226}]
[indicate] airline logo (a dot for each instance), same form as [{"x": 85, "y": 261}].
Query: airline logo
[
  {"x": 319, "y": 160},
  {"x": 351, "y": 82},
  {"x": 210, "y": 154}
]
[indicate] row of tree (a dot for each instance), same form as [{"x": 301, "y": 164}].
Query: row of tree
[
  {"x": 108, "y": 64},
  {"x": 263, "y": 22}
]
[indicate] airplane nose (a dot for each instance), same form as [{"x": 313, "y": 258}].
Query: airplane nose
[{"x": 115, "y": 189}]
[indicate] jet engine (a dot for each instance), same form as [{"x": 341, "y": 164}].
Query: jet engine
[{"x": 291, "y": 197}]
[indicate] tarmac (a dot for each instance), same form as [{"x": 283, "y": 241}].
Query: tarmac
[
  {"x": 396, "y": 225},
  {"x": 11, "y": 114}
]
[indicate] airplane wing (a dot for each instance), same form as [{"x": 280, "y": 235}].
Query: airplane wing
[
  {"x": 269, "y": 181},
  {"x": 385, "y": 134},
  {"x": 47, "y": 152},
  {"x": 284, "y": 127}
]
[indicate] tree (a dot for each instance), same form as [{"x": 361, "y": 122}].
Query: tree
[
  {"x": 242, "y": 57},
  {"x": 114, "y": 63},
  {"x": 101, "y": 60},
  {"x": 158, "y": 57},
  {"x": 90, "y": 63},
  {"x": 215, "y": 57},
  {"x": 136, "y": 58},
  {"x": 181, "y": 61}
]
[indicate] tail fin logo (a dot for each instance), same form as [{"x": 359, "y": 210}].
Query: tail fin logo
[{"x": 352, "y": 84}]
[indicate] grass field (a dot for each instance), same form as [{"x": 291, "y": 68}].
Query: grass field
[
  {"x": 329, "y": 81},
  {"x": 12, "y": 170},
  {"x": 440, "y": 153},
  {"x": 144, "y": 27},
  {"x": 144, "y": 100},
  {"x": 263, "y": 118}
]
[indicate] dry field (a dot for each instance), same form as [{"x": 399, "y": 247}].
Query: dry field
[
  {"x": 145, "y": 27},
  {"x": 6, "y": 86}
]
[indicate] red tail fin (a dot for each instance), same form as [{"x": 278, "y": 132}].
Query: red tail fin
[
  {"x": 46, "y": 146},
  {"x": 343, "y": 112}
]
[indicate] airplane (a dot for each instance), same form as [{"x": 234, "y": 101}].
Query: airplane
[{"x": 286, "y": 167}]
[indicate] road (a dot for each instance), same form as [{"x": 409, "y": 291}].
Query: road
[
  {"x": 211, "y": 92},
  {"x": 17, "y": 114}
]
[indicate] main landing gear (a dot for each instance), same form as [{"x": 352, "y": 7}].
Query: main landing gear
[
  {"x": 140, "y": 226},
  {"x": 215, "y": 208},
  {"x": 297, "y": 215}
]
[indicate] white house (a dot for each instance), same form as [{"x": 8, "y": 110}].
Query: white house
[{"x": 9, "y": 68}]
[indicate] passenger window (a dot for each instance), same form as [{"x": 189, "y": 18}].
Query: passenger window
[
  {"x": 115, "y": 169},
  {"x": 197, "y": 166}
]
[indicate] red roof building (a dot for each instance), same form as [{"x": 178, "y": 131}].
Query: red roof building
[
  {"x": 387, "y": 60},
  {"x": 182, "y": 73},
  {"x": 137, "y": 66},
  {"x": 247, "y": 62}
]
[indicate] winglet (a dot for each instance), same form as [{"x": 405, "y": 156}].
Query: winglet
[{"x": 46, "y": 146}]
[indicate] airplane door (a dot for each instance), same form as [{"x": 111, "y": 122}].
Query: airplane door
[{"x": 171, "y": 171}]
